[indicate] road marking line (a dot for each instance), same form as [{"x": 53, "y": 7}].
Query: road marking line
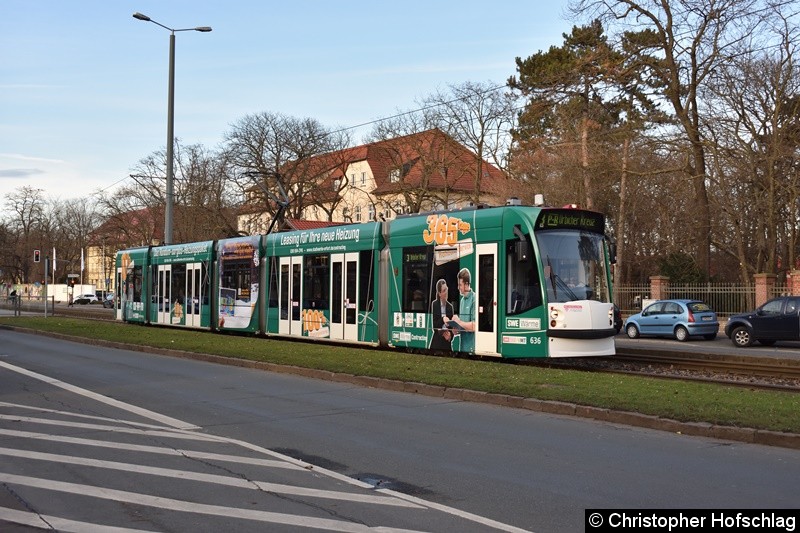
[
  {"x": 346, "y": 479},
  {"x": 217, "y": 479},
  {"x": 163, "y": 419},
  {"x": 456, "y": 512},
  {"x": 83, "y": 416},
  {"x": 188, "y": 507},
  {"x": 112, "y": 429},
  {"x": 61, "y": 524},
  {"x": 178, "y": 452}
]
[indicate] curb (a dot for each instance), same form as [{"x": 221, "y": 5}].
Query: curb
[{"x": 628, "y": 418}]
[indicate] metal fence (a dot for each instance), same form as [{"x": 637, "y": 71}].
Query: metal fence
[{"x": 724, "y": 298}]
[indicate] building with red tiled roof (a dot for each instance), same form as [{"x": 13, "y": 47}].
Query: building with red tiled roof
[{"x": 414, "y": 173}]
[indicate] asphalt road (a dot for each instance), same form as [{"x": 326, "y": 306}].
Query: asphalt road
[{"x": 447, "y": 465}]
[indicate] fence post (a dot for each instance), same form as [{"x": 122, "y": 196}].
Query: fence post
[
  {"x": 765, "y": 283},
  {"x": 659, "y": 287},
  {"x": 793, "y": 281}
]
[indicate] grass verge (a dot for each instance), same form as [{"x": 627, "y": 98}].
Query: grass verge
[{"x": 678, "y": 400}]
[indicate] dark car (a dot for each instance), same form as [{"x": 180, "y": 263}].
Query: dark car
[{"x": 776, "y": 320}]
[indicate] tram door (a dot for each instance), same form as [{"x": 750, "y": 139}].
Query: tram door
[
  {"x": 486, "y": 291},
  {"x": 290, "y": 291},
  {"x": 344, "y": 296},
  {"x": 162, "y": 297},
  {"x": 194, "y": 293}
]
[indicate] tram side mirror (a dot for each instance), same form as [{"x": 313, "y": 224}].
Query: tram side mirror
[
  {"x": 523, "y": 249},
  {"x": 612, "y": 253}
]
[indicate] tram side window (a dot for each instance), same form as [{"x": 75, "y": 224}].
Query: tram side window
[
  {"x": 417, "y": 263},
  {"x": 523, "y": 291},
  {"x": 205, "y": 282},
  {"x": 134, "y": 284},
  {"x": 273, "y": 282},
  {"x": 236, "y": 275},
  {"x": 155, "y": 277},
  {"x": 367, "y": 281},
  {"x": 316, "y": 274},
  {"x": 178, "y": 286}
]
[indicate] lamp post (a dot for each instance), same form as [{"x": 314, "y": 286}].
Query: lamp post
[{"x": 170, "y": 120}]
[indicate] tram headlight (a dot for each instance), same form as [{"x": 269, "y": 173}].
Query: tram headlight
[{"x": 554, "y": 315}]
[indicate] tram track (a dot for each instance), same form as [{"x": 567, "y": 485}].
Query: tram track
[
  {"x": 741, "y": 371},
  {"x": 748, "y": 366}
]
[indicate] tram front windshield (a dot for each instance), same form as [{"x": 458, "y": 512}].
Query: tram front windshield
[{"x": 573, "y": 265}]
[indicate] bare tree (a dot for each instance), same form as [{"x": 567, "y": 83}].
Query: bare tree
[
  {"x": 205, "y": 195},
  {"x": 68, "y": 225},
  {"x": 480, "y": 116},
  {"x": 754, "y": 117},
  {"x": 26, "y": 208},
  {"x": 44, "y": 224},
  {"x": 263, "y": 146},
  {"x": 204, "y": 198}
]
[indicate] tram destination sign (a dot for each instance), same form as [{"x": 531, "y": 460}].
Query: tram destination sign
[{"x": 570, "y": 219}]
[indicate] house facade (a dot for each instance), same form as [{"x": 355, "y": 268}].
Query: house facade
[{"x": 381, "y": 180}]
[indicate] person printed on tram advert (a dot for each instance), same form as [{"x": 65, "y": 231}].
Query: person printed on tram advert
[
  {"x": 464, "y": 321},
  {"x": 441, "y": 309}
]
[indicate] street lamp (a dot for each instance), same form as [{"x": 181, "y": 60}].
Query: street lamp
[{"x": 170, "y": 120}]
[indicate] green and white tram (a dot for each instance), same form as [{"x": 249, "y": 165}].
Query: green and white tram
[
  {"x": 322, "y": 283},
  {"x": 512, "y": 282}
]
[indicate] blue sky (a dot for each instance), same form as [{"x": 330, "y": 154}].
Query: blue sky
[{"x": 83, "y": 84}]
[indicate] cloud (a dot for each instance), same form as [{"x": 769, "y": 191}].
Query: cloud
[
  {"x": 8, "y": 171},
  {"x": 23, "y": 157},
  {"x": 15, "y": 173}
]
